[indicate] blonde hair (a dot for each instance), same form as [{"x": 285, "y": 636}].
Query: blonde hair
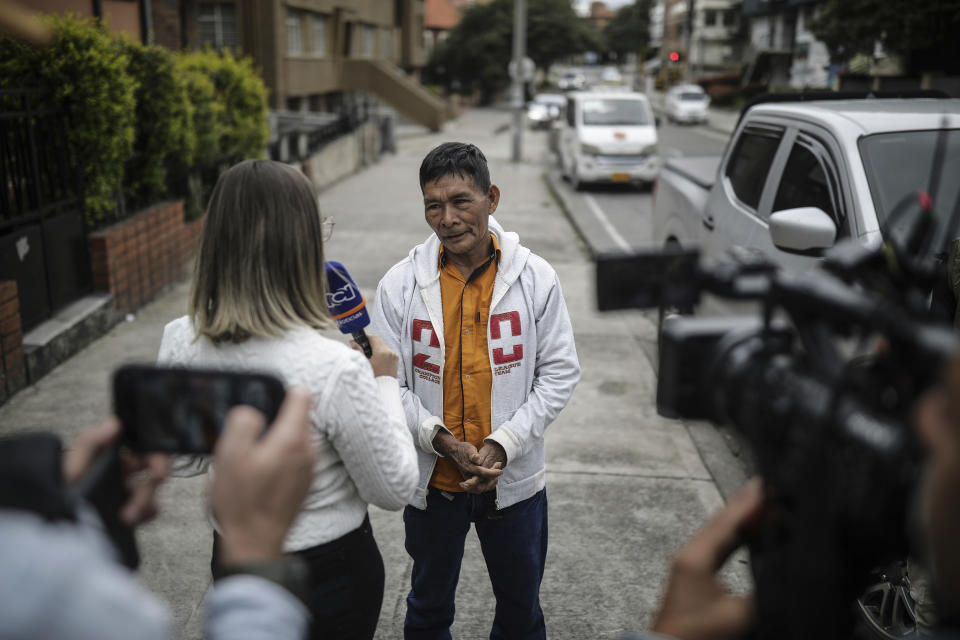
[{"x": 260, "y": 269}]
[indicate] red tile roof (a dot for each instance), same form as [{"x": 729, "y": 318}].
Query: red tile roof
[{"x": 440, "y": 14}]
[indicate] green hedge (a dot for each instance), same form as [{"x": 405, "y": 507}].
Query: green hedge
[
  {"x": 143, "y": 120},
  {"x": 165, "y": 137},
  {"x": 230, "y": 119},
  {"x": 86, "y": 70},
  {"x": 231, "y": 103}
]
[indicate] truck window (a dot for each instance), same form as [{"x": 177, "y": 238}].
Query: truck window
[
  {"x": 750, "y": 163},
  {"x": 900, "y": 163},
  {"x": 804, "y": 183}
]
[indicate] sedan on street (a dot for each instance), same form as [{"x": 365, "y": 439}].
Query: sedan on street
[{"x": 686, "y": 103}]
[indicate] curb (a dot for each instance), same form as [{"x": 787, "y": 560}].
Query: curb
[
  {"x": 564, "y": 205},
  {"x": 722, "y": 451}
]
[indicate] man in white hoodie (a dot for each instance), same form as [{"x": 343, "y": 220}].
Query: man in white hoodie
[{"x": 487, "y": 361}]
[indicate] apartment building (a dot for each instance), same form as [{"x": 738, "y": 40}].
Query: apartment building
[
  {"x": 130, "y": 17},
  {"x": 708, "y": 40},
  {"x": 315, "y": 55},
  {"x": 783, "y": 51}
]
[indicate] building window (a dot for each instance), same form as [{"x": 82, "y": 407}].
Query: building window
[
  {"x": 319, "y": 35},
  {"x": 710, "y": 18},
  {"x": 388, "y": 44},
  {"x": 294, "y": 31},
  {"x": 730, "y": 18},
  {"x": 218, "y": 25},
  {"x": 369, "y": 41}
]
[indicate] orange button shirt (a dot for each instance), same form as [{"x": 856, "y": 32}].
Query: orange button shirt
[{"x": 467, "y": 378}]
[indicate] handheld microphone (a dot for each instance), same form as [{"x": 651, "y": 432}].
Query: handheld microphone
[{"x": 347, "y": 305}]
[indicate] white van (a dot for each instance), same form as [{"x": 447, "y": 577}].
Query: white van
[{"x": 609, "y": 136}]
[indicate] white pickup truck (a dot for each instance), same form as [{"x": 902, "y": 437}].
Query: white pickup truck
[{"x": 796, "y": 177}]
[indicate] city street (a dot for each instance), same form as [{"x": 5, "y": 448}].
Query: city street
[
  {"x": 625, "y": 486},
  {"x": 618, "y": 217}
]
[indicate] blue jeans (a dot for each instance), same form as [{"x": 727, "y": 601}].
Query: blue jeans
[{"x": 514, "y": 545}]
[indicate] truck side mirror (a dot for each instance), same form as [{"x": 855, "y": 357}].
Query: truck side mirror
[
  {"x": 656, "y": 122},
  {"x": 802, "y": 229}
]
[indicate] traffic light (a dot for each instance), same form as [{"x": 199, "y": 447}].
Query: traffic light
[{"x": 674, "y": 56}]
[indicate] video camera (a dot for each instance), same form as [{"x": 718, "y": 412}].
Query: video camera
[{"x": 820, "y": 383}]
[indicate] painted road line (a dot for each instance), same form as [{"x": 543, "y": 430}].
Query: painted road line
[{"x": 605, "y": 222}]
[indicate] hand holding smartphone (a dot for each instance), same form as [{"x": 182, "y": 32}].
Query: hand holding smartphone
[{"x": 182, "y": 410}]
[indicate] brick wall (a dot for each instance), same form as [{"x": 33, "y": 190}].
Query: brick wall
[
  {"x": 12, "y": 370},
  {"x": 137, "y": 257}
]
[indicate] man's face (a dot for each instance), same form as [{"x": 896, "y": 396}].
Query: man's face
[
  {"x": 458, "y": 213},
  {"x": 938, "y": 421}
]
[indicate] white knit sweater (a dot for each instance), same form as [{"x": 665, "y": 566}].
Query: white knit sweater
[{"x": 366, "y": 454}]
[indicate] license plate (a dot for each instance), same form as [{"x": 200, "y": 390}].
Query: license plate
[{"x": 620, "y": 177}]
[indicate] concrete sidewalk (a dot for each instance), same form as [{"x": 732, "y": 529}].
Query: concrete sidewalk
[{"x": 625, "y": 487}]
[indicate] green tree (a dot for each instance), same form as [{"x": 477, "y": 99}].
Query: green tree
[
  {"x": 924, "y": 33},
  {"x": 629, "y": 30},
  {"x": 477, "y": 51}
]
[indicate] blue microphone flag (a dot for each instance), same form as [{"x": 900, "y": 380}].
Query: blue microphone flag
[{"x": 344, "y": 299}]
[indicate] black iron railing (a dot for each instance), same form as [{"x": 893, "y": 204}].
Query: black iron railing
[{"x": 42, "y": 229}]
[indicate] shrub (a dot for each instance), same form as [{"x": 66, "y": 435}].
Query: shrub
[
  {"x": 245, "y": 107},
  {"x": 229, "y": 118},
  {"x": 231, "y": 106},
  {"x": 165, "y": 136},
  {"x": 86, "y": 70},
  {"x": 172, "y": 121}
]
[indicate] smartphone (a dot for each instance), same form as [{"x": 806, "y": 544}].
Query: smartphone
[{"x": 182, "y": 410}]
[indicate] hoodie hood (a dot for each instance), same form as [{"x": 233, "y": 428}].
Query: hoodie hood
[{"x": 425, "y": 257}]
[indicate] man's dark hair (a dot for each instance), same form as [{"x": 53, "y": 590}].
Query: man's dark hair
[{"x": 459, "y": 159}]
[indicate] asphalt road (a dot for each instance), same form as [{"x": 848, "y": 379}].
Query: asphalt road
[{"x": 618, "y": 217}]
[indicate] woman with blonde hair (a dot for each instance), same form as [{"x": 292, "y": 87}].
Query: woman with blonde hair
[{"x": 257, "y": 303}]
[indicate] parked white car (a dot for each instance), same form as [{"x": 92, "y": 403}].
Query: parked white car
[
  {"x": 609, "y": 137},
  {"x": 611, "y": 76},
  {"x": 686, "y": 103}
]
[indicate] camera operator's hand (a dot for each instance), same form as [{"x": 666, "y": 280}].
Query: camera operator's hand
[
  {"x": 144, "y": 473},
  {"x": 384, "y": 361},
  {"x": 696, "y": 606},
  {"x": 259, "y": 483}
]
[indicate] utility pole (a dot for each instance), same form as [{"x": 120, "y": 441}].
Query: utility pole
[
  {"x": 688, "y": 39},
  {"x": 519, "y": 53}
]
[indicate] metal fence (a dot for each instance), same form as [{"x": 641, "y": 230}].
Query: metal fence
[
  {"x": 42, "y": 231},
  {"x": 297, "y": 135}
]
